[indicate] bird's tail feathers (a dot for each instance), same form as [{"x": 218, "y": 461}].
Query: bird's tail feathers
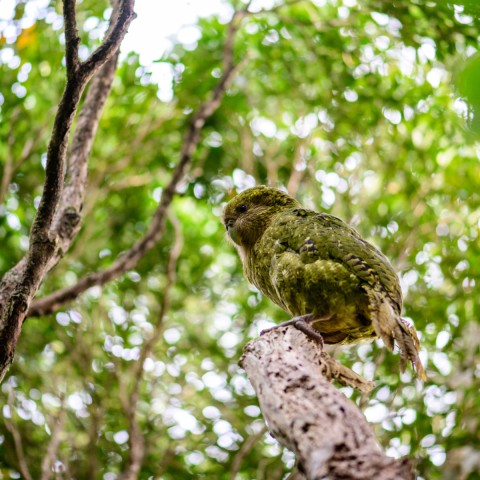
[{"x": 392, "y": 328}]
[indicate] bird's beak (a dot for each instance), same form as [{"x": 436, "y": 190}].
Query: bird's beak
[
  {"x": 232, "y": 231},
  {"x": 233, "y": 234}
]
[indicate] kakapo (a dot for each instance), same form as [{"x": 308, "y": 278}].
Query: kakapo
[{"x": 320, "y": 270}]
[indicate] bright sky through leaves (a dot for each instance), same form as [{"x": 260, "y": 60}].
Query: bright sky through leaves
[{"x": 159, "y": 24}]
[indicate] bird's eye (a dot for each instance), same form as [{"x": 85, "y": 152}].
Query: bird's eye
[{"x": 241, "y": 208}]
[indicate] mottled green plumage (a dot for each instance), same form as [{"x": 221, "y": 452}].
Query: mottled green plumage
[{"x": 314, "y": 263}]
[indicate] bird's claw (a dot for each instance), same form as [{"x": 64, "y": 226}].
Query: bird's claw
[{"x": 302, "y": 323}]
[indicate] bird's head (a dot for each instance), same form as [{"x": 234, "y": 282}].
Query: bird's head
[{"x": 250, "y": 213}]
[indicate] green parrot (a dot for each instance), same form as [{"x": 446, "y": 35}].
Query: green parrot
[{"x": 338, "y": 287}]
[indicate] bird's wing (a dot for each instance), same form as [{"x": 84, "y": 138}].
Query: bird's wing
[
  {"x": 308, "y": 236},
  {"x": 321, "y": 236}
]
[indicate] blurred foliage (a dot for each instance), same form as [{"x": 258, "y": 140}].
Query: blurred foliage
[
  {"x": 467, "y": 83},
  {"x": 350, "y": 105}
]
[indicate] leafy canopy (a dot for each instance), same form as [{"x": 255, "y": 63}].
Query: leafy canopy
[{"x": 352, "y": 106}]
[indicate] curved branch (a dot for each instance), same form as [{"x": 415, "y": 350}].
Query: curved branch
[
  {"x": 77, "y": 79},
  {"x": 306, "y": 413},
  {"x": 113, "y": 39},
  {"x": 136, "y": 442},
  {"x": 130, "y": 259}
]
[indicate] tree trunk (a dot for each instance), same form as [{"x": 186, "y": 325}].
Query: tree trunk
[{"x": 307, "y": 414}]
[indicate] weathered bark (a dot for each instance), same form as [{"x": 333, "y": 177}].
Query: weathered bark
[
  {"x": 66, "y": 223},
  {"x": 57, "y": 221},
  {"x": 307, "y": 414},
  {"x": 20, "y": 284}
]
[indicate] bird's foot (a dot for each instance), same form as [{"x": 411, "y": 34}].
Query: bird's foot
[{"x": 304, "y": 324}]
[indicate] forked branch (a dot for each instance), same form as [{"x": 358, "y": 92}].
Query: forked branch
[
  {"x": 20, "y": 284},
  {"x": 130, "y": 259}
]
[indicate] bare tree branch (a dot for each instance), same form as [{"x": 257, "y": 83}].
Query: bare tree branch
[
  {"x": 17, "y": 439},
  {"x": 67, "y": 219},
  {"x": 52, "y": 449},
  {"x": 298, "y": 170},
  {"x": 307, "y": 414},
  {"x": 67, "y": 223},
  {"x": 113, "y": 39},
  {"x": 136, "y": 451},
  {"x": 72, "y": 40},
  {"x": 165, "y": 305},
  {"x": 20, "y": 284},
  {"x": 245, "y": 448},
  {"x": 130, "y": 259}
]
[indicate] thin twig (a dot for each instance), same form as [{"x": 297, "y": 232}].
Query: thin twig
[
  {"x": 112, "y": 40},
  {"x": 17, "y": 439},
  {"x": 165, "y": 305},
  {"x": 245, "y": 448},
  {"x": 52, "y": 449},
  {"x": 136, "y": 441}
]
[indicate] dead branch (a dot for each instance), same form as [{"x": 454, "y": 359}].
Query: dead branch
[
  {"x": 245, "y": 448},
  {"x": 307, "y": 414},
  {"x": 20, "y": 284},
  {"x": 17, "y": 439},
  {"x": 298, "y": 170},
  {"x": 52, "y": 449},
  {"x": 130, "y": 259},
  {"x": 136, "y": 450}
]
